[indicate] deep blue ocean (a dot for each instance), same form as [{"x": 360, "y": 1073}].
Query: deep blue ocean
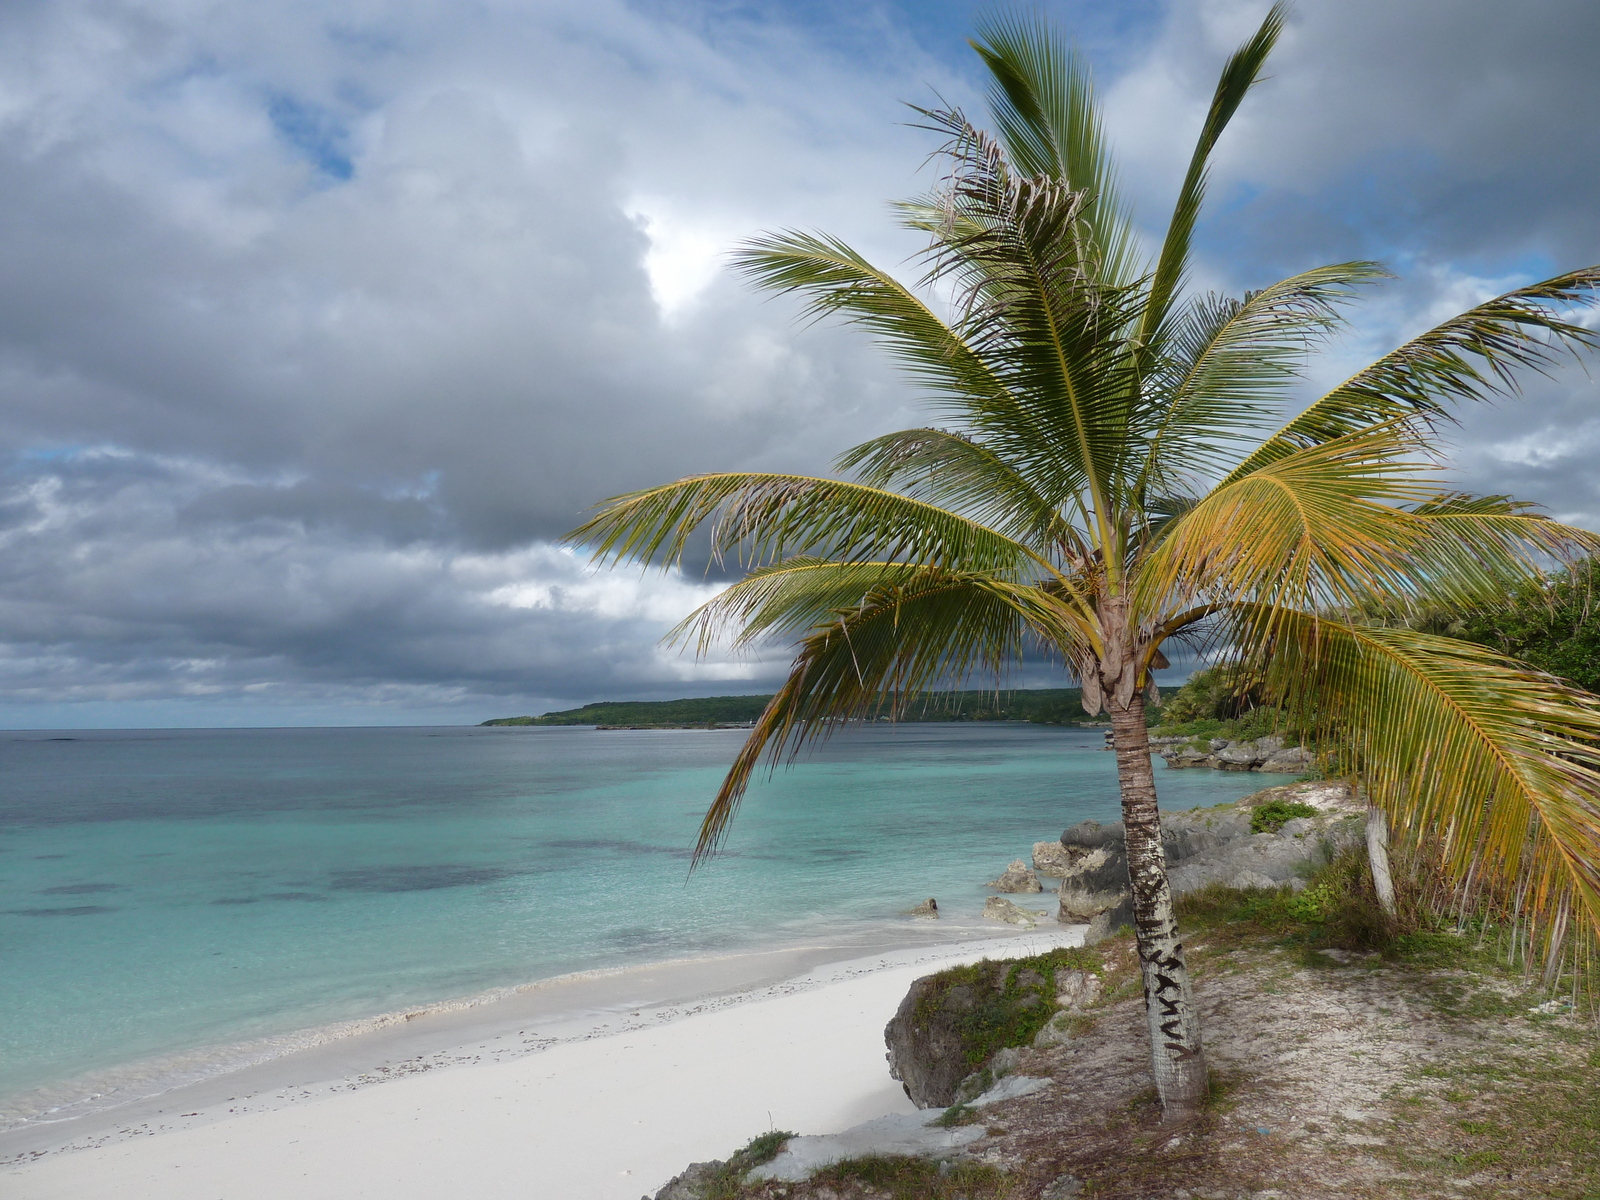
[{"x": 168, "y": 890}]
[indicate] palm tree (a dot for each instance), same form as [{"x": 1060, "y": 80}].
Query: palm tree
[{"x": 1114, "y": 470}]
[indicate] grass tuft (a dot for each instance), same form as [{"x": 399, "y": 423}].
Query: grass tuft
[{"x": 900, "y": 1178}]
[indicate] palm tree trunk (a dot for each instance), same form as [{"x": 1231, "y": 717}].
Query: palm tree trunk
[{"x": 1177, "y": 1057}]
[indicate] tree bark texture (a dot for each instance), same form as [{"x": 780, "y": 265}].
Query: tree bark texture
[
  {"x": 1378, "y": 856},
  {"x": 1177, "y": 1057}
]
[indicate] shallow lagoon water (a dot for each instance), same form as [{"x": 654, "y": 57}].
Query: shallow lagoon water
[{"x": 162, "y": 891}]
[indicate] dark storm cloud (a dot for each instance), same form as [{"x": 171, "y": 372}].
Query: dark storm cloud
[{"x": 319, "y": 321}]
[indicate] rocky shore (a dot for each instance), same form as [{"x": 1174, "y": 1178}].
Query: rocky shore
[
  {"x": 1270, "y": 753},
  {"x": 1228, "y": 844}
]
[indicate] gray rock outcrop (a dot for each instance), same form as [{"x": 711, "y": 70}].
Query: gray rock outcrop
[
  {"x": 1075, "y": 991},
  {"x": 1018, "y": 877},
  {"x": 1205, "y": 846},
  {"x": 1221, "y": 754},
  {"x": 912, "y": 1134},
  {"x": 926, "y": 1051},
  {"x": 695, "y": 1183},
  {"x": 928, "y": 908}
]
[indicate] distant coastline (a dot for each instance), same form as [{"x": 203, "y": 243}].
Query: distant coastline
[{"x": 1040, "y": 706}]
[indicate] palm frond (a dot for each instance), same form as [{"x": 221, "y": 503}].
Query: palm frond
[
  {"x": 964, "y": 474},
  {"x": 1041, "y": 96},
  {"x": 762, "y": 517},
  {"x": 1329, "y": 525},
  {"x": 1492, "y": 764},
  {"x": 926, "y": 628},
  {"x": 1477, "y": 355},
  {"x": 1480, "y": 552},
  {"x": 1229, "y": 363},
  {"x": 1239, "y": 75},
  {"x": 1034, "y": 309},
  {"x": 834, "y": 280}
]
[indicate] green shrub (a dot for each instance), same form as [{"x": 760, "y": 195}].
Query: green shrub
[
  {"x": 1311, "y": 905},
  {"x": 1274, "y": 814}
]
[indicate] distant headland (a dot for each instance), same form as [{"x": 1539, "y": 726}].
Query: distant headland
[{"x": 1041, "y": 706}]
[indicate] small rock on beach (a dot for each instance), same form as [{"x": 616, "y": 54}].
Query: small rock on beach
[
  {"x": 1017, "y": 878},
  {"x": 998, "y": 908}
]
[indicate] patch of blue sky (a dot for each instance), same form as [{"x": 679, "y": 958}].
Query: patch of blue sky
[
  {"x": 317, "y": 134},
  {"x": 1113, "y": 32},
  {"x": 54, "y": 454},
  {"x": 1523, "y": 266}
]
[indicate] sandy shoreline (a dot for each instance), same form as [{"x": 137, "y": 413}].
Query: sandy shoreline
[
  {"x": 384, "y": 1040},
  {"x": 588, "y": 1086}
]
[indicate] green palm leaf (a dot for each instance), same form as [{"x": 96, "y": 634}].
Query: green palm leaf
[
  {"x": 761, "y": 517},
  {"x": 1231, "y": 362},
  {"x": 1042, "y": 100},
  {"x": 1474, "y": 356},
  {"x": 1241, "y": 73}
]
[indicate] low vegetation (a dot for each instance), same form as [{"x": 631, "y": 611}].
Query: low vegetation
[
  {"x": 1275, "y": 814},
  {"x": 1221, "y": 702},
  {"x": 1040, "y": 706},
  {"x": 1014, "y": 999},
  {"x": 893, "y": 1177},
  {"x": 1553, "y": 625},
  {"x": 727, "y": 1180}
]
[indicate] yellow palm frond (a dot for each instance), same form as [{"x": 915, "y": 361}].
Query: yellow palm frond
[
  {"x": 1326, "y": 525},
  {"x": 1487, "y": 762}
]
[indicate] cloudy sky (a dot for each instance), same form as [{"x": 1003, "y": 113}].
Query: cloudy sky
[{"x": 321, "y": 321}]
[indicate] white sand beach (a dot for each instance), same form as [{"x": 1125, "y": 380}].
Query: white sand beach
[{"x": 604, "y": 1105}]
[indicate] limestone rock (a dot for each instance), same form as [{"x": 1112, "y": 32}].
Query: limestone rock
[
  {"x": 1292, "y": 761},
  {"x": 1221, "y": 754},
  {"x": 1057, "y": 1032},
  {"x": 1106, "y": 923},
  {"x": 928, "y": 1037},
  {"x": 1051, "y": 858},
  {"x": 926, "y": 1051},
  {"x": 1017, "y": 878},
  {"x": 928, "y": 908},
  {"x": 998, "y": 908},
  {"x": 1239, "y": 757},
  {"x": 897, "y": 1134},
  {"x": 1075, "y": 991},
  {"x": 1206, "y": 846}
]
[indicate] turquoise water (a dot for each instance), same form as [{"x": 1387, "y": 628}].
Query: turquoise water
[{"x": 167, "y": 890}]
